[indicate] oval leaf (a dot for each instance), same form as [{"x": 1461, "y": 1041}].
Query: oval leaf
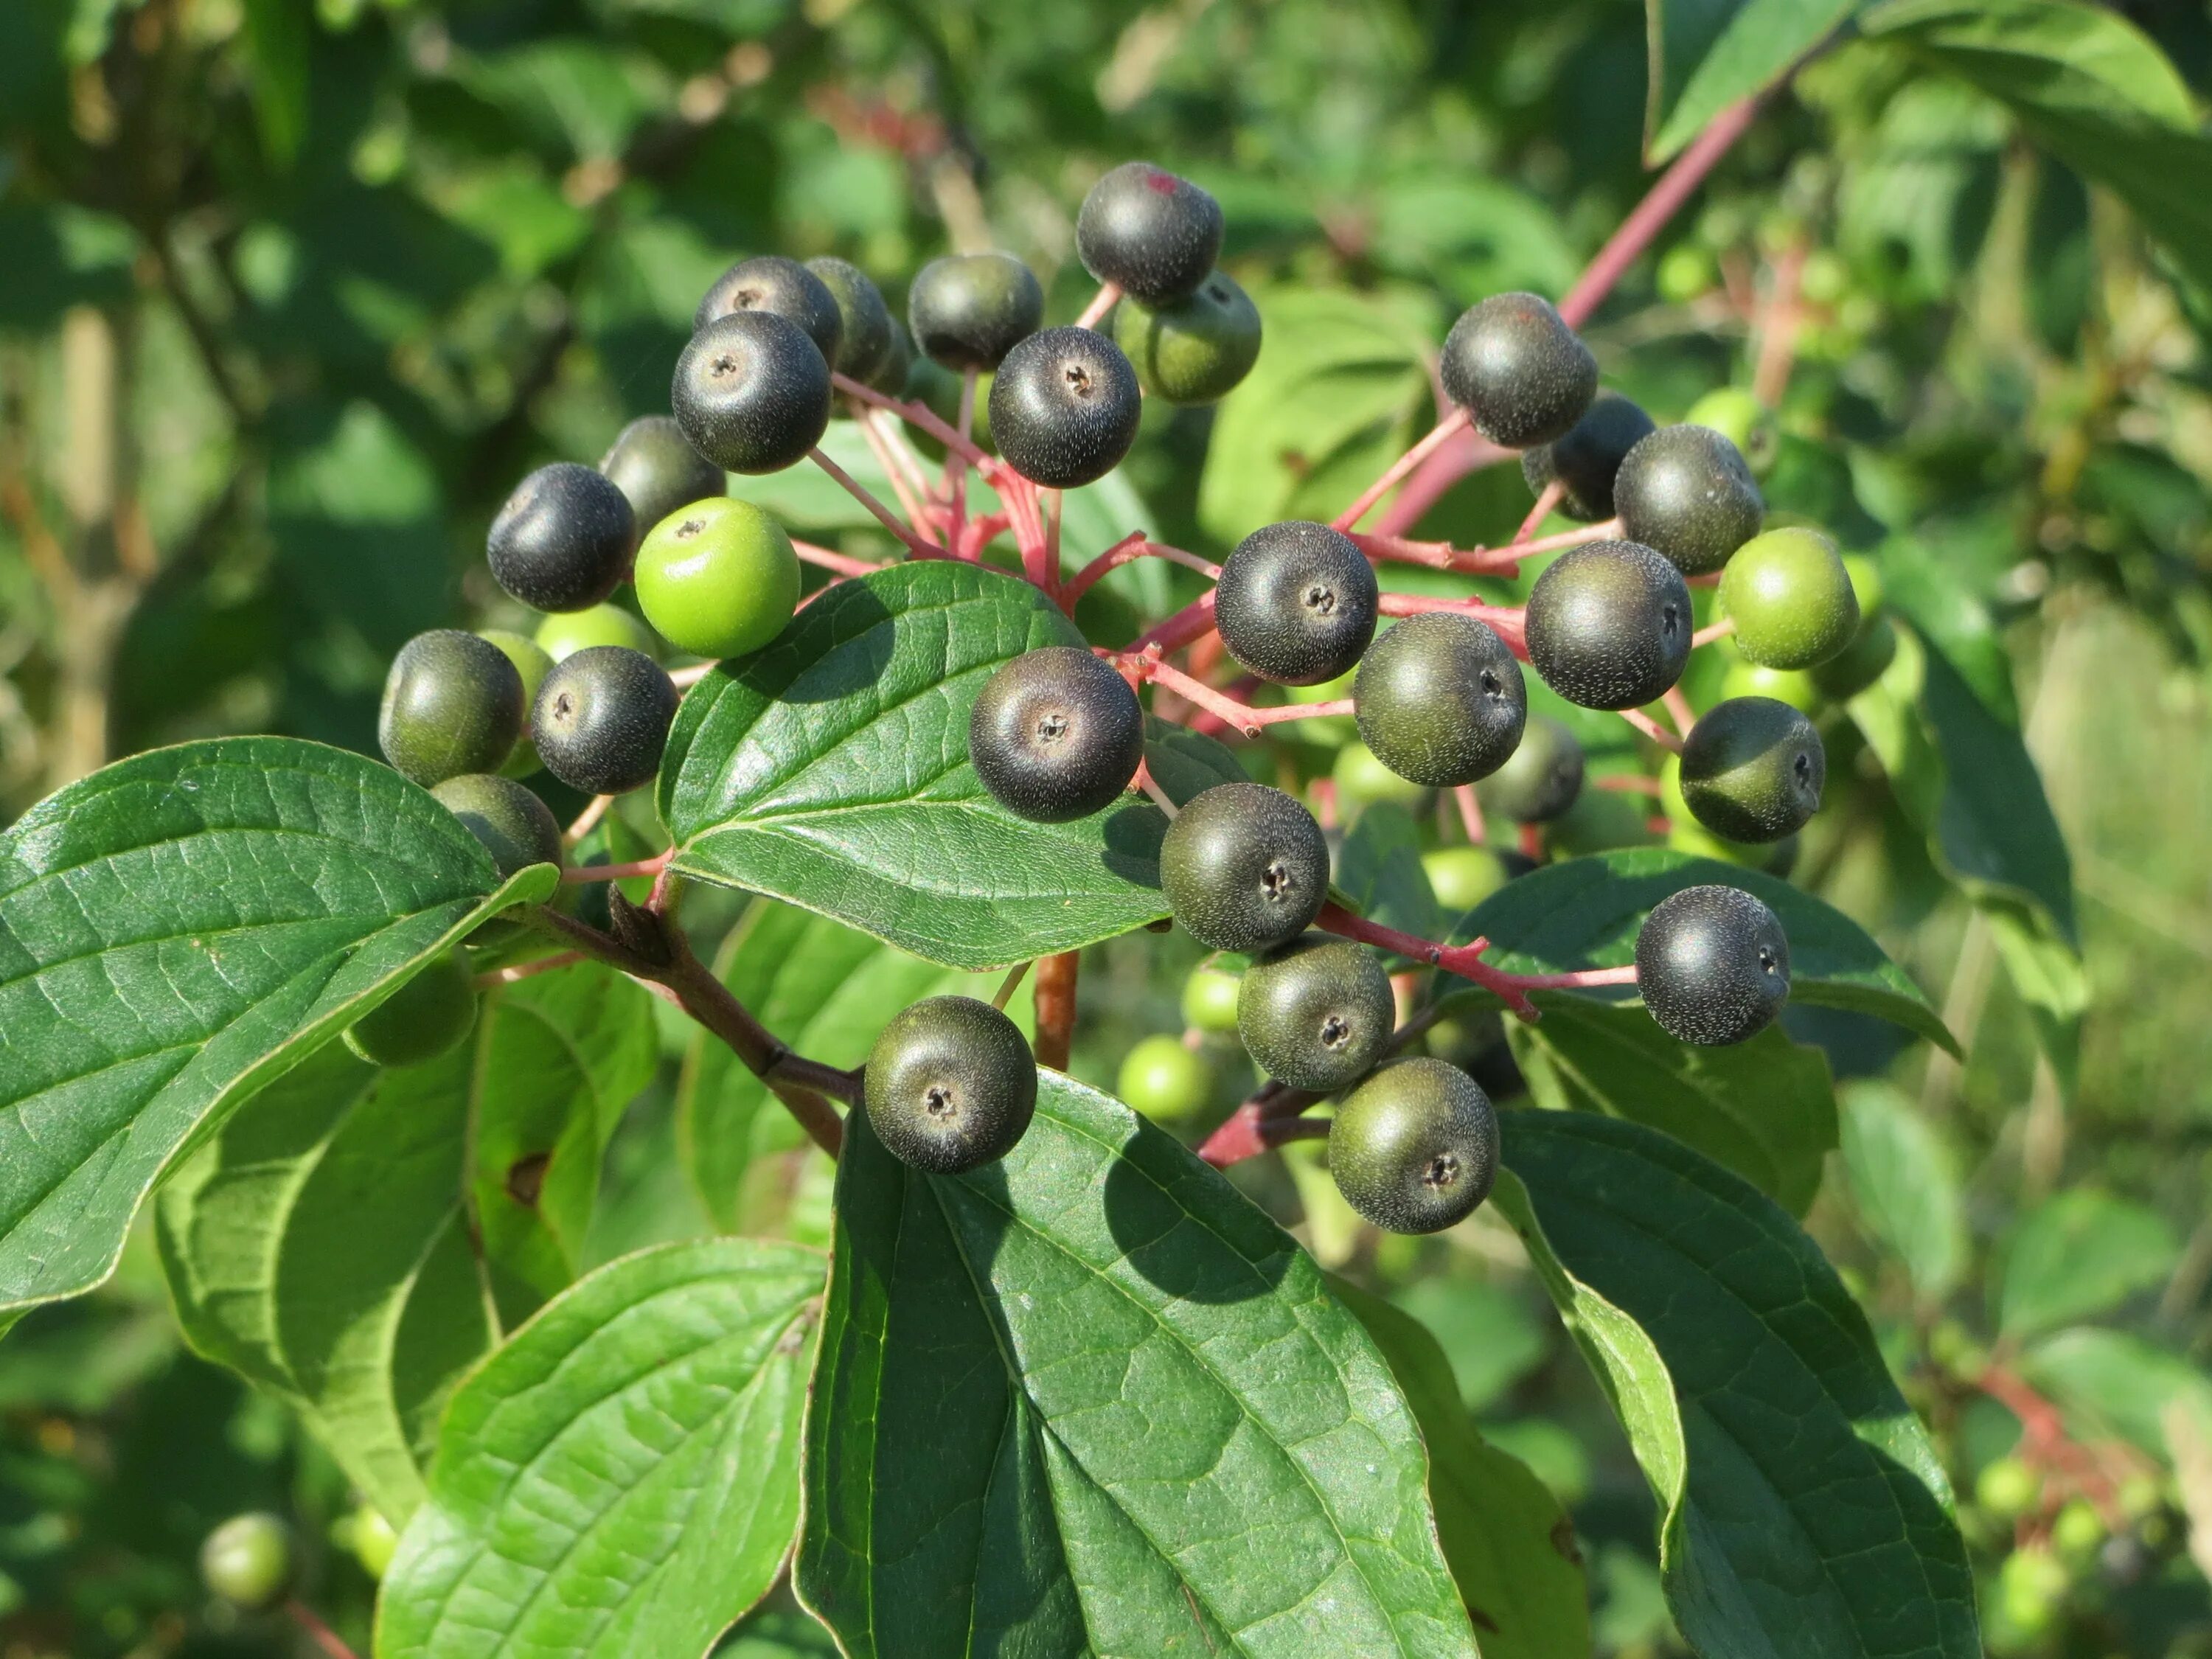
[
  {"x": 1906, "y": 1184},
  {"x": 1707, "y": 54}
]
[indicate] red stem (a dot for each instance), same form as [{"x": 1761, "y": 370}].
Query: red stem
[
  {"x": 1439, "y": 434},
  {"x": 559, "y": 959},
  {"x": 588, "y": 873},
  {"x": 1193, "y": 622},
  {"x": 318, "y": 1632},
  {"x": 918, "y": 545},
  {"x": 1470, "y": 814},
  {"x": 1055, "y": 1009},
  {"x": 1101, "y": 303},
  {"x": 1651, "y": 729}
]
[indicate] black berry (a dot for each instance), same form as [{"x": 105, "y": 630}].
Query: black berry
[
  {"x": 517, "y": 828},
  {"x": 779, "y": 287},
  {"x": 1296, "y": 602},
  {"x": 1317, "y": 1013},
  {"x": 1414, "y": 1148},
  {"x": 1514, "y": 364},
  {"x": 602, "y": 719},
  {"x": 1244, "y": 867},
  {"x": 967, "y": 310},
  {"x": 1541, "y": 780},
  {"x": 431, "y": 1013},
  {"x": 864, "y": 338},
  {"x": 654, "y": 464},
  {"x": 1712, "y": 964},
  {"x": 1752, "y": 770},
  {"x": 1588, "y": 457},
  {"x": 453, "y": 703},
  {"x": 1440, "y": 700},
  {"x": 563, "y": 538},
  {"x": 1064, "y": 407},
  {"x": 951, "y": 1085},
  {"x": 1194, "y": 349},
  {"x": 1149, "y": 233},
  {"x": 1056, "y": 734},
  {"x": 1609, "y": 624},
  {"x": 751, "y": 392},
  {"x": 1686, "y": 491}
]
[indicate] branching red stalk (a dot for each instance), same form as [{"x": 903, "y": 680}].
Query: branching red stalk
[
  {"x": 909, "y": 504},
  {"x": 830, "y": 559},
  {"x": 1131, "y": 548},
  {"x": 589, "y": 817},
  {"x": 920, "y": 546},
  {"x": 1441, "y": 433},
  {"x": 1546, "y": 500},
  {"x": 1142, "y": 665},
  {"x": 1651, "y": 729},
  {"x": 1104, "y": 300},
  {"x": 922, "y": 415},
  {"x": 317, "y": 1632},
  {"x": 1719, "y": 630},
  {"x": 1481, "y": 560},
  {"x": 1628, "y": 783},
  {"x": 1507, "y": 620},
  {"x": 1187, "y": 624},
  {"x": 1678, "y": 707},
  {"x": 955, "y": 459}
]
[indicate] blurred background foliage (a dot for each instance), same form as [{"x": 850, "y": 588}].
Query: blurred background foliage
[{"x": 291, "y": 294}]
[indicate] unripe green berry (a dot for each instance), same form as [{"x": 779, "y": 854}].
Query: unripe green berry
[
  {"x": 951, "y": 1085},
  {"x": 1056, "y": 734},
  {"x": 1512, "y": 362},
  {"x": 1194, "y": 349},
  {"x": 373, "y": 1541},
  {"x": 1791, "y": 685},
  {"x": 1712, "y": 965},
  {"x": 719, "y": 579},
  {"x": 752, "y": 392},
  {"x": 1209, "y": 1000},
  {"x": 453, "y": 703},
  {"x": 968, "y": 310},
  {"x": 1866, "y": 586},
  {"x": 1752, "y": 770},
  {"x": 1440, "y": 700},
  {"x": 249, "y": 1561},
  {"x": 532, "y": 663},
  {"x": 1687, "y": 492},
  {"x": 1462, "y": 877},
  {"x": 2008, "y": 1488},
  {"x": 654, "y": 464},
  {"x": 431, "y": 1013},
  {"x": 1608, "y": 625},
  {"x": 1244, "y": 867},
  {"x": 1414, "y": 1148},
  {"x": 864, "y": 336},
  {"x": 1739, "y": 417},
  {"x": 517, "y": 828},
  {"x": 772, "y": 284},
  {"x": 562, "y": 636},
  {"x": 1360, "y": 776},
  {"x": 1542, "y": 778},
  {"x": 1317, "y": 1013},
  {"x": 1790, "y": 599},
  {"x": 1152, "y": 233},
  {"x": 1165, "y": 1080}
]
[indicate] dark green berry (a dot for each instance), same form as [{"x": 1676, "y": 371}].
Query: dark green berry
[
  {"x": 1541, "y": 780},
  {"x": 1244, "y": 867},
  {"x": 1440, "y": 700},
  {"x": 602, "y": 720},
  {"x": 516, "y": 828},
  {"x": 1414, "y": 1148},
  {"x": 249, "y": 1561},
  {"x": 1296, "y": 602},
  {"x": 534, "y": 663},
  {"x": 1164, "y": 1079},
  {"x": 1712, "y": 964},
  {"x": 654, "y": 464},
  {"x": 1588, "y": 458},
  {"x": 431, "y": 1013},
  {"x": 1317, "y": 1013},
  {"x": 1859, "y": 664},
  {"x": 1791, "y": 598},
  {"x": 891, "y": 375},
  {"x": 1686, "y": 491},
  {"x": 563, "y": 538},
  {"x": 1149, "y": 233},
  {"x": 1056, "y": 734},
  {"x": 776, "y": 286},
  {"x": 453, "y": 703},
  {"x": 1514, "y": 364},
  {"x": 951, "y": 1085},
  {"x": 751, "y": 392},
  {"x": 1194, "y": 349},
  {"x": 1064, "y": 407},
  {"x": 1608, "y": 625},
  {"x": 864, "y": 336},
  {"x": 1752, "y": 770},
  {"x": 967, "y": 310}
]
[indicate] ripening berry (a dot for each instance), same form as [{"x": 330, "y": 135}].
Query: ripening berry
[
  {"x": 1608, "y": 625},
  {"x": 1859, "y": 664},
  {"x": 772, "y": 284},
  {"x": 951, "y": 1085},
  {"x": 719, "y": 579},
  {"x": 1791, "y": 685},
  {"x": 431, "y": 1013},
  {"x": 1195, "y": 349},
  {"x": 1440, "y": 699},
  {"x": 563, "y": 537},
  {"x": 1588, "y": 457},
  {"x": 1514, "y": 364},
  {"x": 602, "y": 719},
  {"x": 249, "y": 1561},
  {"x": 1687, "y": 492},
  {"x": 1244, "y": 867},
  {"x": 517, "y": 828},
  {"x": 1152, "y": 234},
  {"x": 864, "y": 336},
  {"x": 968, "y": 310},
  {"x": 1541, "y": 778},
  {"x": 1752, "y": 770},
  {"x": 1791, "y": 598},
  {"x": 1296, "y": 602},
  {"x": 1056, "y": 734},
  {"x": 453, "y": 703},
  {"x": 751, "y": 392},
  {"x": 1712, "y": 965},
  {"x": 1064, "y": 407},
  {"x": 654, "y": 466},
  {"x": 1317, "y": 1013},
  {"x": 1414, "y": 1148}
]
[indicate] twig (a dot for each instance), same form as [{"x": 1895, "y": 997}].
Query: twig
[
  {"x": 920, "y": 545},
  {"x": 843, "y": 564},
  {"x": 318, "y": 1632},
  {"x": 579, "y": 873},
  {"x": 589, "y": 817},
  {"x": 1101, "y": 302},
  {"x": 1439, "y": 434},
  {"x": 1546, "y": 498},
  {"x": 1678, "y": 709},
  {"x": 1470, "y": 814},
  {"x": 1056, "y": 1008},
  {"x": 1719, "y": 630},
  {"x": 1009, "y": 985}
]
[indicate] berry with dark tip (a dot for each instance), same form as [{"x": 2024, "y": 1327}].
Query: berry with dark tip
[
  {"x": 1608, "y": 625},
  {"x": 562, "y": 636},
  {"x": 1414, "y": 1148},
  {"x": 1440, "y": 699},
  {"x": 1165, "y": 1080},
  {"x": 968, "y": 310},
  {"x": 864, "y": 334},
  {"x": 1209, "y": 1000},
  {"x": 602, "y": 719},
  {"x": 719, "y": 579},
  {"x": 453, "y": 703},
  {"x": 1752, "y": 770},
  {"x": 249, "y": 1561},
  {"x": 1244, "y": 867},
  {"x": 653, "y": 462},
  {"x": 951, "y": 1085},
  {"x": 1512, "y": 362},
  {"x": 751, "y": 392},
  {"x": 1149, "y": 233},
  {"x": 1859, "y": 664},
  {"x": 433, "y": 1012},
  {"x": 534, "y": 663},
  {"x": 1588, "y": 458},
  {"x": 1056, "y": 734},
  {"x": 1064, "y": 407},
  {"x": 1195, "y": 349},
  {"x": 517, "y": 828},
  {"x": 563, "y": 538},
  {"x": 1687, "y": 492},
  {"x": 1791, "y": 598},
  {"x": 1317, "y": 1013},
  {"x": 1297, "y": 602},
  {"x": 1712, "y": 964},
  {"x": 1541, "y": 780},
  {"x": 776, "y": 286}
]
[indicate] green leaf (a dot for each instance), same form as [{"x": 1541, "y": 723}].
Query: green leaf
[
  {"x": 1804, "y": 1511},
  {"x": 1090, "y": 1400},
  {"x": 831, "y": 771},
  {"x": 276, "y": 42},
  {"x": 1766, "y": 1108},
  {"x": 623, "y": 1477},
  {"x": 1378, "y": 872},
  {"x": 2113, "y": 1385},
  {"x": 1707, "y": 54},
  {"x": 177, "y": 930},
  {"x": 353, "y": 1239},
  {"x": 1511, "y": 1547},
  {"x": 2080, "y": 1254},
  {"x": 1585, "y": 912},
  {"x": 1906, "y": 1185}
]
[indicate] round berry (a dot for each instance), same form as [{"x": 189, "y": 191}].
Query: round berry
[
  {"x": 951, "y": 1085},
  {"x": 968, "y": 310},
  {"x": 896, "y": 368},
  {"x": 1440, "y": 700},
  {"x": 776, "y": 286},
  {"x": 1739, "y": 417},
  {"x": 563, "y": 538},
  {"x": 1608, "y": 625},
  {"x": 654, "y": 464},
  {"x": 1194, "y": 349},
  {"x": 1543, "y": 778},
  {"x": 517, "y": 828},
  {"x": 373, "y": 1541},
  {"x": 1360, "y": 777},
  {"x": 249, "y": 1561},
  {"x": 532, "y": 662},
  {"x": 453, "y": 703},
  {"x": 1712, "y": 965},
  {"x": 1209, "y": 1000},
  {"x": 1149, "y": 233},
  {"x": 1790, "y": 599},
  {"x": 864, "y": 324},
  {"x": 1414, "y": 1148},
  {"x": 1064, "y": 407},
  {"x": 1462, "y": 877},
  {"x": 1588, "y": 458},
  {"x": 602, "y": 719},
  {"x": 1859, "y": 664},
  {"x": 1317, "y": 1013},
  {"x": 1514, "y": 364},
  {"x": 1752, "y": 770},
  {"x": 1164, "y": 1079},
  {"x": 719, "y": 579},
  {"x": 431, "y": 1013},
  {"x": 1056, "y": 734},
  {"x": 1791, "y": 685},
  {"x": 1867, "y": 588},
  {"x": 562, "y": 636},
  {"x": 1244, "y": 867},
  {"x": 1686, "y": 491},
  {"x": 751, "y": 392},
  {"x": 1296, "y": 602}
]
